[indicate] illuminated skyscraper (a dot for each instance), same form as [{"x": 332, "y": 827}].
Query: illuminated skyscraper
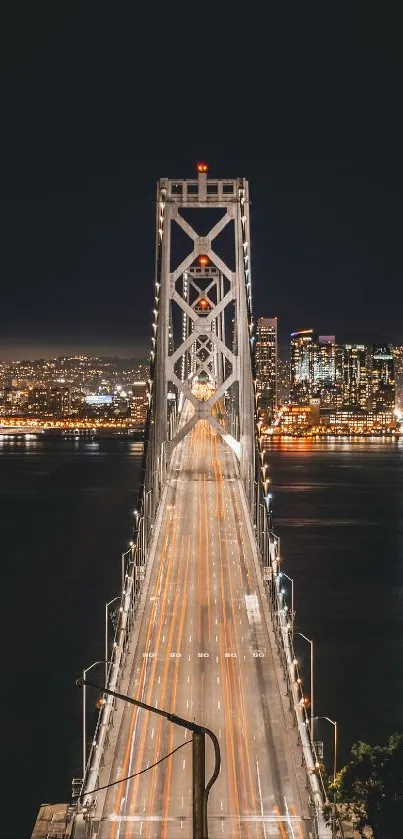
[
  {"x": 352, "y": 376},
  {"x": 323, "y": 370},
  {"x": 398, "y": 363},
  {"x": 266, "y": 364},
  {"x": 383, "y": 378},
  {"x": 301, "y": 365}
]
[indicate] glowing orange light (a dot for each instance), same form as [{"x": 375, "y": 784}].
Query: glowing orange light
[
  {"x": 202, "y": 167},
  {"x": 203, "y": 303},
  {"x": 203, "y": 260}
]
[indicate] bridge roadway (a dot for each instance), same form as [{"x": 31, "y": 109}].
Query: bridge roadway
[{"x": 203, "y": 651}]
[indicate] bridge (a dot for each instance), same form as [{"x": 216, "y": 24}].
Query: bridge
[{"x": 203, "y": 629}]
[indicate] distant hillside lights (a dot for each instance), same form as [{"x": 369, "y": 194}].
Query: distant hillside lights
[{"x": 73, "y": 390}]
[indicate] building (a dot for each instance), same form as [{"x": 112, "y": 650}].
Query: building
[
  {"x": 352, "y": 377},
  {"x": 283, "y": 376},
  {"x": 398, "y": 359},
  {"x": 53, "y": 401},
  {"x": 301, "y": 365},
  {"x": 266, "y": 365},
  {"x": 139, "y": 403},
  {"x": 383, "y": 378},
  {"x": 347, "y": 421},
  {"x": 338, "y": 375},
  {"x": 297, "y": 419},
  {"x": 322, "y": 386}
]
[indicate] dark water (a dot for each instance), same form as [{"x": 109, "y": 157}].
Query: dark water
[
  {"x": 339, "y": 510},
  {"x": 65, "y": 516}
]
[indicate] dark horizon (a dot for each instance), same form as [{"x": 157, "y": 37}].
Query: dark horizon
[
  {"x": 14, "y": 352},
  {"x": 313, "y": 120}
]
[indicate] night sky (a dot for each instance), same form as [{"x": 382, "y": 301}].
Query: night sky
[{"x": 98, "y": 102}]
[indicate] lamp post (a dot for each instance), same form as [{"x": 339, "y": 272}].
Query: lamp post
[
  {"x": 147, "y": 511},
  {"x": 200, "y": 790},
  {"x": 283, "y": 574},
  {"x": 118, "y": 597},
  {"x": 124, "y": 555},
  {"x": 334, "y": 724},
  {"x": 312, "y": 683},
  {"x": 136, "y": 515},
  {"x": 85, "y": 671}
]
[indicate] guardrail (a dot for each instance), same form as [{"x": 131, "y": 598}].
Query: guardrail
[
  {"x": 149, "y": 496},
  {"x": 130, "y": 597},
  {"x": 282, "y": 622}
]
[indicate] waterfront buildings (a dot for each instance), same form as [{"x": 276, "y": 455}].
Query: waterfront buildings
[
  {"x": 398, "y": 359},
  {"x": 301, "y": 366},
  {"x": 76, "y": 388},
  {"x": 383, "y": 378},
  {"x": 338, "y": 388},
  {"x": 352, "y": 381}
]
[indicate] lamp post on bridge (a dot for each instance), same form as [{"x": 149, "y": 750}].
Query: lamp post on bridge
[
  {"x": 200, "y": 790},
  {"x": 148, "y": 509},
  {"x": 283, "y": 574},
  {"x": 312, "y": 683},
  {"x": 85, "y": 671},
  {"x": 124, "y": 555},
  {"x": 334, "y": 724},
  {"x": 118, "y": 597},
  {"x": 268, "y": 497}
]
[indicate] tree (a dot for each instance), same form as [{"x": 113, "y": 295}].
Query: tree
[{"x": 371, "y": 788}]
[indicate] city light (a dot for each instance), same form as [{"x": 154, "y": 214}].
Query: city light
[
  {"x": 75, "y": 393},
  {"x": 328, "y": 389}
]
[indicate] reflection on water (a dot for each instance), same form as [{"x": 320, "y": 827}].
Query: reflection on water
[
  {"x": 65, "y": 516},
  {"x": 338, "y": 507}
]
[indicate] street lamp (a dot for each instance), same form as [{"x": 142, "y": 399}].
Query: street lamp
[
  {"x": 124, "y": 555},
  {"x": 312, "y": 705},
  {"x": 148, "y": 509},
  {"x": 283, "y": 574},
  {"x": 334, "y": 724},
  {"x": 200, "y": 790},
  {"x": 85, "y": 671},
  {"x": 118, "y": 597}
]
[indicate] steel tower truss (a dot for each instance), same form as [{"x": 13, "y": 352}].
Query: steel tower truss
[{"x": 209, "y": 295}]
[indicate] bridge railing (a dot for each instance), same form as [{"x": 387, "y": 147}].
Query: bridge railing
[
  {"x": 148, "y": 498},
  {"x": 282, "y": 627},
  {"x": 268, "y": 544},
  {"x": 133, "y": 577}
]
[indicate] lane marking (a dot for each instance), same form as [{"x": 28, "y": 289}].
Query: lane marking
[{"x": 259, "y": 786}]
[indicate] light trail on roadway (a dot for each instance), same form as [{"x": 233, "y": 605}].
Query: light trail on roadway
[{"x": 203, "y": 652}]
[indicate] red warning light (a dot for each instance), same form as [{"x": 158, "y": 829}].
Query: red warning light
[
  {"x": 203, "y": 303},
  {"x": 202, "y": 167},
  {"x": 203, "y": 261}
]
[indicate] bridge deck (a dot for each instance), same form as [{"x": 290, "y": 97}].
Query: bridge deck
[{"x": 203, "y": 651}]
